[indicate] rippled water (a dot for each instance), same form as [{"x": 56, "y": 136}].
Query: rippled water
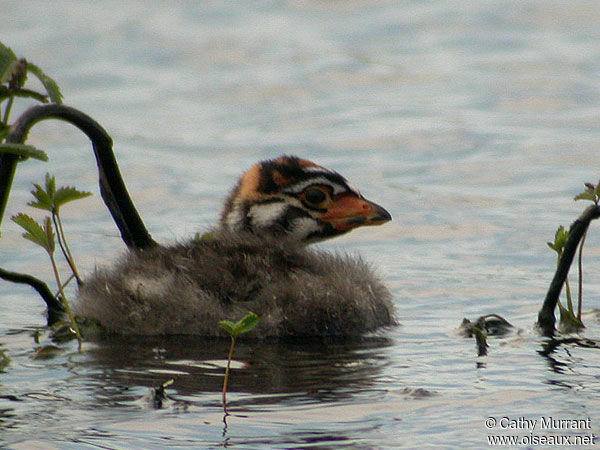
[{"x": 473, "y": 123}]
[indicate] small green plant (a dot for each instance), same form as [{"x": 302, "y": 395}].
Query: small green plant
[
  {"x": 245, "y": 324},
  {"x": 43, "y": 235},
  {"x": 13, "y": 76},
  {"x": 569, "y": 320},
  {"x": 49, "y": 198}
]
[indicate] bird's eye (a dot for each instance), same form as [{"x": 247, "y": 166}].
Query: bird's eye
[{"x": 314, "y": 196}]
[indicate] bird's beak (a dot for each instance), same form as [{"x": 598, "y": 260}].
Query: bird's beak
[{"x": 350, "y": 211}]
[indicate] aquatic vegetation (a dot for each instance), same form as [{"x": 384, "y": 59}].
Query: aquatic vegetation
[
  {"x": 49, "y": 198},
  {"x": 566, "y": 244},
  {"x": 484, "y": 326},
  {"x": 245, "y": 324},
  {"x": 43, "y": 235},
  {"x": 13, "y": 76}
]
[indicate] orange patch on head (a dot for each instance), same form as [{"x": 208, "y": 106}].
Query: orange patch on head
[
  {"x": 250, "y": 182},
  {"x": 285, "y": 161},
  {"x": 279, "y": 179},
  {"x": 306, "y": 163}
]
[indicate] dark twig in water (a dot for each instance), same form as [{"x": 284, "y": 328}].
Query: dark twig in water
[
  {"x": 580, "y": 265},
  {"x": 546, "y": 320},
  {"x": 112, "y": 188},
  {"x": 55, "y": 307}
]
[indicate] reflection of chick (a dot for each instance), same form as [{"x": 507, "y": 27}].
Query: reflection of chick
[{"x": 255, "y": 260}]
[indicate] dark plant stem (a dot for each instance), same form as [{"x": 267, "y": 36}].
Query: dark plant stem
[
  {"x": 546, "y": 319},
  {"x": 112, "y": 188},
  {"x": 227, "y": 369},
  {"x": 580, "y": 264},
  {"x": 53, "y": 305}
]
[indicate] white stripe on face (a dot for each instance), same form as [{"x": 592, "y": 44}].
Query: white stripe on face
[
  {"x": 303, "y": 227},
  {"x": 266, "y": 214},
  {"x": 299, "y": 187}
]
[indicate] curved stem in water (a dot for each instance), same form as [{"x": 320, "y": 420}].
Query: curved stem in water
[{"x": 580, "y": 265}]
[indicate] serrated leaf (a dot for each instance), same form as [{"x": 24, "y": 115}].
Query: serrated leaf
[
  {"x": 50, "y": 181},
  {"x": 42, "y": 236},
  {"x": 67, "y": 194},
  {"x": 49, "y": 84},
  {"x": 23, "y": 150},
  {"x": 44, "y": 201},
  {"x": 560, "y": 239},
  {"x": 8, "y": 61}
]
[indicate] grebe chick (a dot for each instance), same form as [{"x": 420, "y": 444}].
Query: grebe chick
[{"x": 257, "y": 260}]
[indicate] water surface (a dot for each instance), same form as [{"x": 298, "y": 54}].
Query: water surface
[{"x": 473, "y": 123}]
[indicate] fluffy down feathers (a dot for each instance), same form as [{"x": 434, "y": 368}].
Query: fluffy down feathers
[{"x": 188, "y": 288}]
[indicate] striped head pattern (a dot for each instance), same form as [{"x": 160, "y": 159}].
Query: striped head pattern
[{"x": 295, "y": 197}]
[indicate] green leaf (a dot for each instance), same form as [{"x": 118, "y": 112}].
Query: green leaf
[
  {"x": 49, "y": 84},
  {"x": 42, "y": 236},
  {"x": 228, "y": 326},
  {"x": 560, "y": 239},
  {"x": 27, "y": 93},
  {"x": 66, "y": 194},
  {"x": 568, "y": 322},
  {"x": 44, "y": 201},
  {"x": 23, "y": 150},
  {"x": 51, "y": 199},
  {"x": 245, "y": 324},
  {"x": 50, "y": 181},
  {"x": 587, "y": 195},
  {"x": 8, "y": 61}
]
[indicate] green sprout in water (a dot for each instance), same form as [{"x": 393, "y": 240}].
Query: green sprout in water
[
  {"x": 570, "y": 321},
  {"x": 245, "y": 324},
  {"x": 49, "y": 198},
  {"x": 43, "y": 235}
]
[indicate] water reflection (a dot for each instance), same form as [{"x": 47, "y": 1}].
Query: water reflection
[
  {"x": 550, "y": 352},
  {"x": 298, "y": 371}
]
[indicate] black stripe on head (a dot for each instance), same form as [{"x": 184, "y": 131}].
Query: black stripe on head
[{"x": 286, "y": 171}]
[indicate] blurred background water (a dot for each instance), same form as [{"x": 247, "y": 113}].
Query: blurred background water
[{"x": 474, "y": 123}]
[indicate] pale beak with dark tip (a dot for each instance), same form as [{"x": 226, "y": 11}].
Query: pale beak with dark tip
[{"x": 350, "y": 211}]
